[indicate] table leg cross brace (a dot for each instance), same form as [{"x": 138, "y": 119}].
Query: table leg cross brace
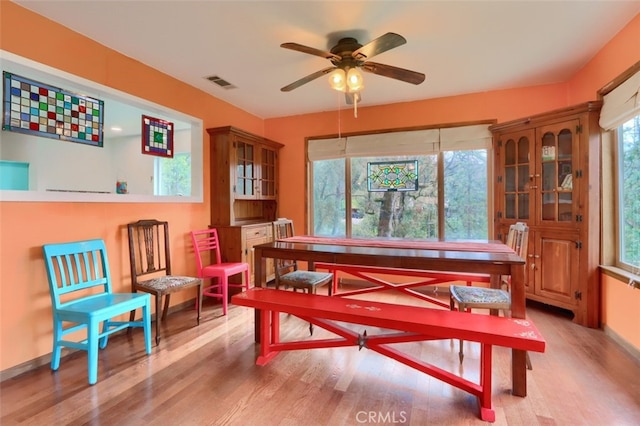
[
  {"x": 406, "y": 288},
  {"x": 373, "y": 274}
]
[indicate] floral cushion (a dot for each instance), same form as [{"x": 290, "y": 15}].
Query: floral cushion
[
  {"x": 306, "y": 278},
  {"x": 473, "y": 295},
  {"x": 167, "y": 283}
]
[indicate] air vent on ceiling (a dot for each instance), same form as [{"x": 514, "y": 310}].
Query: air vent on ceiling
[{"x": 220, "y": 82}]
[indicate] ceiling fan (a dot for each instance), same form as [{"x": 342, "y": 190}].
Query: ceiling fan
[{"x": 349, "y": 55}]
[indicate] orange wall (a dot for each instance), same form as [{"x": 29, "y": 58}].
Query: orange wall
[
  {"x": 620, "y": 307},
  {"x": 25, "y": 316}
]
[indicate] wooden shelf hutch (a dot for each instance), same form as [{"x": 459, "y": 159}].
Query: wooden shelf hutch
[
  {"x": 244, "y": 192},
  {"x": 547, "y": 170}
]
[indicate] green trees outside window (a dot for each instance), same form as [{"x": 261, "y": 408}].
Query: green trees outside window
[
  {"x": 629, "y": 193},
  {"x": 173, "y": 175},
  {"x": 461, "y": 211}
]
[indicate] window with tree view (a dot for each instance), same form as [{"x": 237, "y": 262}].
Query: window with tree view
[
  {"x": 345, "y": 205},
  {"x": 629, "y": 194},
  {"x": 173, "y": 175}
]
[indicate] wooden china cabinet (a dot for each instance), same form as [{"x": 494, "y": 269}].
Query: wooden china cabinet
[
  {"x": 547, "y": 170},
  {"x": 244, "y": 192}
]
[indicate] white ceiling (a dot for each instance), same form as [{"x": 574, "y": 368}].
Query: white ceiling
[{"x": 461, "y": 46}]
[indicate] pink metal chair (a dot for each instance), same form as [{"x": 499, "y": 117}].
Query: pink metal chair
[{"x": 204, "y": 241}]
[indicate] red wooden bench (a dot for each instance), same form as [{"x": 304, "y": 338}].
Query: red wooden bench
[
  {"x": 424, "y": 278},
  {"x": 411, "y": 324}
]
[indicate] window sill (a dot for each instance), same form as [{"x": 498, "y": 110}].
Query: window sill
[{"x": 625, "y": 276}]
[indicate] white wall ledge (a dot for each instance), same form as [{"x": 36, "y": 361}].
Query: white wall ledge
[{"x": 90, "y": 197}]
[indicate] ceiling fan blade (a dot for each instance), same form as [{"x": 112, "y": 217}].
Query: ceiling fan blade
[
  {"x": 307, "y": 79},
  {"x": 402, "y": 74},
  {"x": 310, "y": 50},
  {"x": 379, "y": 45}
]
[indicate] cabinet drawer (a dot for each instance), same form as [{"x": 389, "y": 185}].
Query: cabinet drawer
[{"x": 257, "y": 232}]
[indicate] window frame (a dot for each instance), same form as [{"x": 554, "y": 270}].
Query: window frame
[{"x": 610, "y": 227}]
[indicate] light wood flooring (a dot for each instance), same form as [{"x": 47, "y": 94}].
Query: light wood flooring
[{"x": 206, "y": 375}]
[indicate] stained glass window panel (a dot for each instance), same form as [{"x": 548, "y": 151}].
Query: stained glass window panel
[
  {"x": 392, "y": 176},
  {"x": 42, "y": 110},
  {"x": 157, "y": 137}
]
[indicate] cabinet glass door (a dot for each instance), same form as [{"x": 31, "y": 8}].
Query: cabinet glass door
[
  {"x": 245, "y": 170},
  {"x": 557, "y": 156},
  {"x": 516, "y": 177},
  {"x": 268, "y": 173}
]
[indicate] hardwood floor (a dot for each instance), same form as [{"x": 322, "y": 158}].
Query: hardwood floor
[{"x": 206, "y": 375}]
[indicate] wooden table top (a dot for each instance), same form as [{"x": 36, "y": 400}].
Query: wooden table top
[{"x": 494, "y": 260}]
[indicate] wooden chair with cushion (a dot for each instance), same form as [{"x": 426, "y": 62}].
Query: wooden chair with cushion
[
  {"x": 468, "y": 297},
  {"x": 150, "y": 260},
  {"x": 206, "y": 242},
  {"x": 82, "y": 298},
  {"x": 287, "y": 273}
]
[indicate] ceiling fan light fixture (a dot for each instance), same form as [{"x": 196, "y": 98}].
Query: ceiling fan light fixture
[
  {"x": 350, "y": 81},
  {"x": 346, "y": 57},
  {"x": 355, "y": 82},
  {"x": 338, "y": 80}
]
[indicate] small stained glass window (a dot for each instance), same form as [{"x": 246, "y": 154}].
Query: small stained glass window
[
  {"x": 157, "y": 137},
  {"x": 392, "y": 176}
]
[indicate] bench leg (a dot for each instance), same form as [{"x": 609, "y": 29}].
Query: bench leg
[{"x": 484, "y": 400}]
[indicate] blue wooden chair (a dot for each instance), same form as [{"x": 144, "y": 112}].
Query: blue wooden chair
[{"x": 81, "y": 294}]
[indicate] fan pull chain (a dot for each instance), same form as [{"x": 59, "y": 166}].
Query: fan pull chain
[
  {"x": 339, "y": 116},
  {"x": 355, "y": 105}
]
